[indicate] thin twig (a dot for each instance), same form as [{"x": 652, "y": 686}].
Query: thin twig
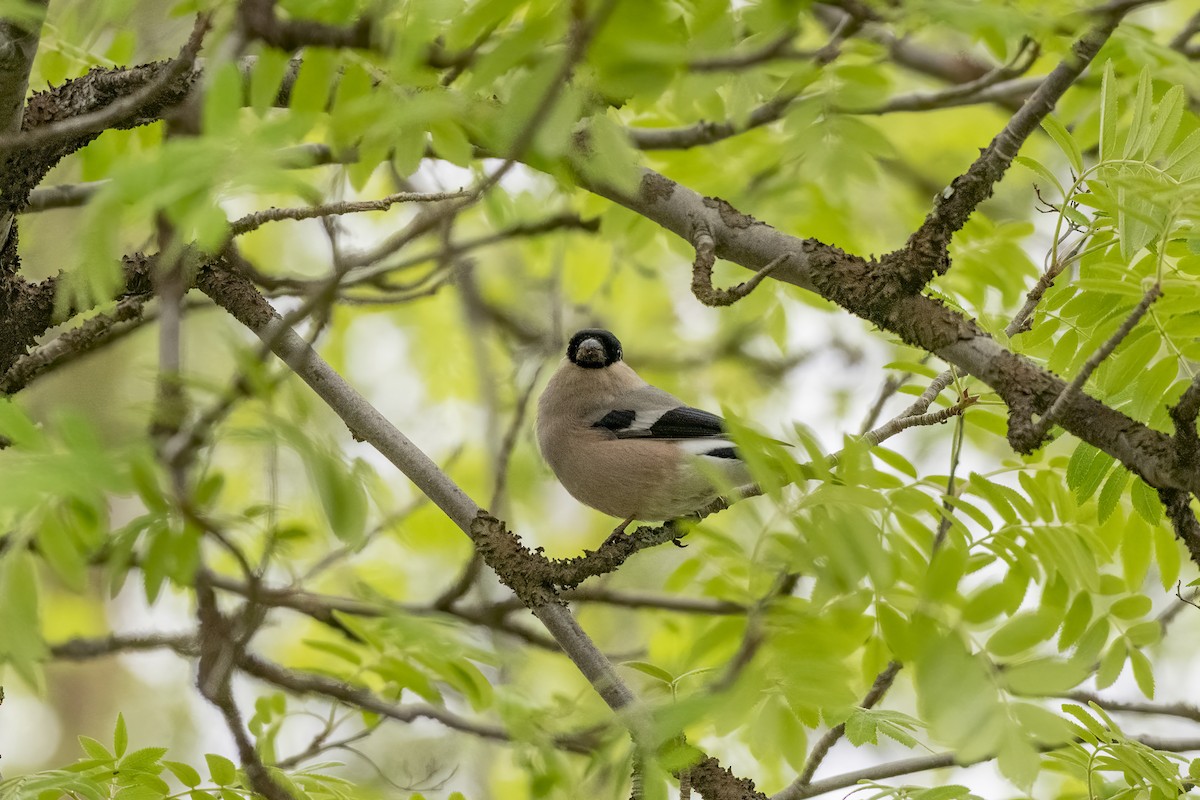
[
  {"x": 779, "y": 47},
  {"x": 306, "y": 683},
  {"x": 883, "y": 681},
  {"x": 81, "y": 649},
  {"x": 1181, "y": 710},
  {"x": 259, "y": 218}
]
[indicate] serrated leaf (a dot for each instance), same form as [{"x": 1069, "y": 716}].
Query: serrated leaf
[
  {"x": 1166, "y": 554},
  {"x": 1077, "y": 618},
  {"x": 1110, "y": 495},
  {"x": 120, "y": 736},
  {"x": 1132, "y": 607},
  {"x": 222, "y": 771},
  {"x": 1041, "y": 171},
  {"x": 1143, "y": 672},
  {"x": 1086, "y": 470},
  {"x": 145, "y": 759},
  {"x": 860, "y": 729},
  {"x": 1135, "y": 552},
  {"x": 1146, "y": 502},
  {"x": 186, "y": 774},
  {"x": 1186, "y": 156},
  {"x": 94, "y": 749},
  {"x": 1111, "y": 664},
  {"x": 1045, "y": 676},
  {"x": 1108, "y": 114},
  {"x": 1140, "y": 121},
  {"x": 1065, "y": 141},
  {"x": 1020, "y": 633},
  {"x": 654, "y": 671},
  {"x": 1166, "y": 122}
]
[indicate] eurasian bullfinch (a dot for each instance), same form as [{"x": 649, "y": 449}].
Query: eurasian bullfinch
[{"x": 625, "y": 447}]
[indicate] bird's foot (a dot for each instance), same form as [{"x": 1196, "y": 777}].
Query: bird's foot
[
  {"x": 618, "y": 531},
  {"x": 680, "y": 533}
]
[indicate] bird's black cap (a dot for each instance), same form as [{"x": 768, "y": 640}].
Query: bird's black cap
[{"x": 602, "y": 350}]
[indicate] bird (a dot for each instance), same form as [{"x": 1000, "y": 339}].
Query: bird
[{"x": 627, "y": 448}]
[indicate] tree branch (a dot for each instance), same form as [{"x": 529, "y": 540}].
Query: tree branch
[
  {"x": 18, "y": 45},
  {"x": 80, "y": 649},
  {"x": 909, "y": 766},
  {"x": 257, "y": 219},
  {"x": 959, "y": 200},
  {"x": 259, "y": 19},
  {"x": 869, "y": 290},
  {"x": 883, "y": 682},
  {"x": 1060, "y": 402},
  {"x": 234, "y": 293},
  {"x": 118, "y": 111},
  {"x": 702, "y": 269},
  {"x": 305, "y": 683}
]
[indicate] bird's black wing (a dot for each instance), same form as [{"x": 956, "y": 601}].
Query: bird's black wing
[
  {"x": 680, "y": 422},
  {"x": 686, "y": 422}
]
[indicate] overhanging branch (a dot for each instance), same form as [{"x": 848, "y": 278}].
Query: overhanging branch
[{"x": 866, "y": 289}]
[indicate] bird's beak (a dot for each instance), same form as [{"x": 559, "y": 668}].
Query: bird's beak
[{"x": 590, "y": 351}]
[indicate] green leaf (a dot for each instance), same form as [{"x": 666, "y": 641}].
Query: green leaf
[
  {"x": 1041, "y": 171},
  {"x": 407, "y": 676},
  {"x": 1140, "y": 123},
  {"x": 145, "y": 759},
  {"x": 1185, "y": 157},
  {"x": 1078, "y": 617},
  {"x": 1111, "y": 664},
  {"x": 21, "y": 644},
  {"x": 1045, "y": 677},
  {"x": 311, "y": 91},
  {"x": 957, "y": 699},
  {"x": 1144, "y": 634},
  {"x": 186, "y": 774},
  {"x": 343, "y": 498},
  {"x": 1167, "y": 555},
  {"x": 1135, "y": 552},
  {"x": 1143, "y": 672},
  {"x": 1110, "y": 495},
  {"x": 222, "y": 99},
  {"x": 222, "y": 771},
  {"x": 1146, "y": 502},
  {"x": 1132, "y": 607},
  {"x": 1108, "y": 114},
  {"x": 1086, "y": 470},
  {"x": 861, "y": 728},
  {"x": 1065, "y": 141},
  {"x": 1166, "y": 122},
  {"x": 94, "y": 749},
  {"x": 1021, "y": 632}
]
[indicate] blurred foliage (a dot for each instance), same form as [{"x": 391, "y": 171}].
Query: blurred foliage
[{"x": 999, "y": 582}]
